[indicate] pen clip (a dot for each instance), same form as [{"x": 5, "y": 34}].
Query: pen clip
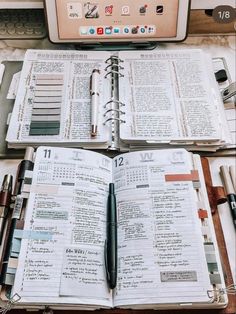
[{"x": 105, "y": 260}]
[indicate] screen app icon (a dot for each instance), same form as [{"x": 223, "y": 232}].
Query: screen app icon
[
  {"x": 108, "y": 30},
  {"x": 134, "y": 30},
  {"x": 159, "y": 9},
  {"x": 116, "y": 30},
  {"x": 142, "y": 29},
  {"x": 151, "y": 29},
  {"x": 108, "y": 9},
  {"x": 126, "y": 30},
  {"x": 100, "y": 31},
  {"x": 143, "y": 9},
  {"x": 91, "y": 31},
  {"x": 83, "y": 30},
  {"x": 125, "y": 10},
  {"x": 91, "y": 10}
]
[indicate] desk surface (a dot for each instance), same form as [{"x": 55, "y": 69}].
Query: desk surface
[{"x": 217, "y": 46}]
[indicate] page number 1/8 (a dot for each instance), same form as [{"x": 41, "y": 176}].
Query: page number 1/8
[{"x": 224, "y": 14}]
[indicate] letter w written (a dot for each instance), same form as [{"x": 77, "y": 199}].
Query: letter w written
[{"x": 146, "y": 157}]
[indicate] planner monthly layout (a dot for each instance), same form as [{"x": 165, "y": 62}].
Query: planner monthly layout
[{"x": 145, "y": 99}]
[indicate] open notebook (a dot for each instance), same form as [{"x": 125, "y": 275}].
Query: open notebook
[
  {"x": 157, "y": 98},
  {"x": 167, "y": 251}
]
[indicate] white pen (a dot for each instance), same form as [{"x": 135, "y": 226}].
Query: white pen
[
  {"x": 2, "y": 70},
  {"x": 94, "y": 92}
]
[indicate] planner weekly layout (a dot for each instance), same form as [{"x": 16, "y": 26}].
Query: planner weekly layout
[{"x": 167, "y": 251}]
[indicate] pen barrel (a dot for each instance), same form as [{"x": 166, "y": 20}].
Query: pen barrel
[
  {"x": 232, "y": 203},
  {"x": 5, "y": 199},
  {"x": 95, "y": 79},
  {"x": 3, "y": 216},
  {"x": 112, "y": 241},
  {"x": 94, "y": 93},
  {"x": 2, "y": 226},
  {"x": 94, "y": 108},
  {"x": 23, "y": 167}
]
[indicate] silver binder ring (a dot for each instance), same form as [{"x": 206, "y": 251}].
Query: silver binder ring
[
  {"x": 114, "y": 58},
  {"x": 114, "y": 72},
  {"x": 113, "y": 119},
  {"x": 114, "y": 65},
  {"x": 114, "y": 101},
  {"x": 115, "y": 110}
]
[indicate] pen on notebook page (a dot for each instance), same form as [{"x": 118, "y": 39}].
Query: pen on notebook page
[
  {"x": 111, "y": 241},
  {"x": 229, "y": 189},
  {"x": 5, "y": 201},
  {"x": 94, "y": 93}
]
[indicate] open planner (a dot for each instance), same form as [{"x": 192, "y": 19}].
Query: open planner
[
  {"x": 168, "y": 256},
  {"x": 146, "y": 99}
]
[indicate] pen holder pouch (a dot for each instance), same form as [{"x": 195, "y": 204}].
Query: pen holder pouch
[{"x": 216, "y": 196}]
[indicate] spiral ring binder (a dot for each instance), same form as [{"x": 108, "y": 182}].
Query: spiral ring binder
[
  {"x": 116, "y": 110},
  {"x": 113, "y": 112},
  {"x": 114, "y": 72},
  {"x": 114, "y": 58},
  {"x": 114, "y": 119},
  {"x": 116, "y": 65},
  {"x": 114, "y": 101}
]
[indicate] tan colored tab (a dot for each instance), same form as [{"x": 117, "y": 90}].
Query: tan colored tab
[{"x": 13, "y": 262}]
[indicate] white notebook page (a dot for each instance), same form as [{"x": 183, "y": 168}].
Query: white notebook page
[
  {"x": 161, "y": 254},
  {"x": 168, "y": 96},
  {"x": 74, "y": 69},
  {"x": 66, "y": 183}
]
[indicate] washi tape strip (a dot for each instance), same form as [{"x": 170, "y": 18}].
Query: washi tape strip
[
  {"x": 13, "y": 262},
  {"x": 11, "y": 270},
  {"x": 32, "y": 235},
  {"x": 193, "y": 176}
]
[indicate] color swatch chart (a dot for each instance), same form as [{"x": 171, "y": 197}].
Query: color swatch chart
[{"x": 47, "y": 102}]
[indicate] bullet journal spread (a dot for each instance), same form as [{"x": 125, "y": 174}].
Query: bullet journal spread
[
  {"x": 167, "y": 252},
  {"x": 160, "y": 98}
]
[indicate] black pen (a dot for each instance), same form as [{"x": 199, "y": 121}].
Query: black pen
[
  {"x": 25, "y": 164},
  {"x": 5, "y": 201},
  {"x": 229, "y": 189},
  {"x": 111, "y": 242}
]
